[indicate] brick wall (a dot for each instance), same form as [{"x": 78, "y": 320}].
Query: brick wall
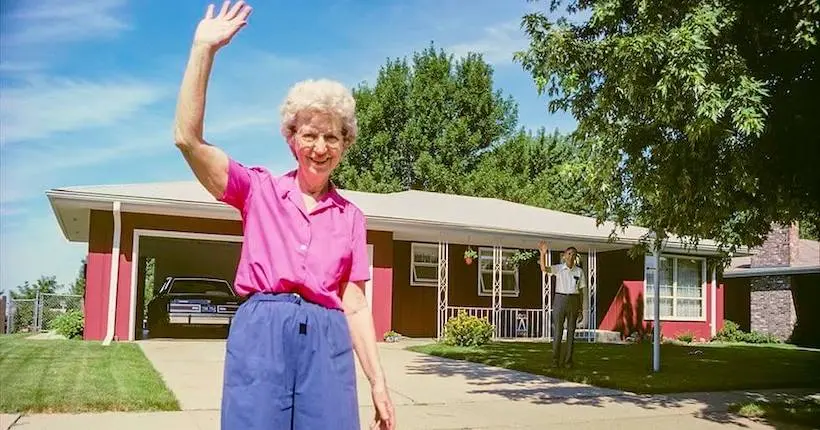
[
  {"x": 776, "y": 251},
  {"x": 772, "y": 306},
  {"x": 794, "y": 243}
]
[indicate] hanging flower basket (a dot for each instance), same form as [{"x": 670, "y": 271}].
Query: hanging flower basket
[{"x": 469, "y": 256}]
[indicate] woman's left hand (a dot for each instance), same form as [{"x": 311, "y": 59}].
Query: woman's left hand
[{"x": 385, "y": 418}]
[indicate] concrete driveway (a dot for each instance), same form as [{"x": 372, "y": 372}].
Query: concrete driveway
[
  {"x": 435, "y": 393},
  {"x": 193, "y": 371}
]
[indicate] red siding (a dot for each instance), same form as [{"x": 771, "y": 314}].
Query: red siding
[
  {"x": 382, "y": 281},
  {"x": 101, "y": 232},
  {"x": 625, "y": 314}
]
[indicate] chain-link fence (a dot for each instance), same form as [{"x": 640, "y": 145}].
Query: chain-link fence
[
  {"x": 22, "y": 315},
  {"x": 52, "y": 306},
  {"x": 35, "y": 315}
]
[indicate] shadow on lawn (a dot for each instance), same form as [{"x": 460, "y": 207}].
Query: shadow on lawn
[{"x": 521, "y": 386}]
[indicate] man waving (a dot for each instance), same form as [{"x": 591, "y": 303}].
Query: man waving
[{"x": 570, "y": 295}]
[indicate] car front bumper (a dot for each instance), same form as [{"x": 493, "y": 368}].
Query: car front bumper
[{"x": 199, "y": 319}]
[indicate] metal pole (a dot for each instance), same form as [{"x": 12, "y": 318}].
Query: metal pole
[
  {"x": 713, "y": 318},
  {"x": 656, "y": 339}
]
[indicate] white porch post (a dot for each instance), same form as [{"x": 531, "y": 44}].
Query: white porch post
[
  {"x": 443, "y": 287},
  {"x": 713, "y": 319},
  {"x": 592, "y": 291},
  {"x": 497, "y": 289},
  {"x": 546, "y": 298}
]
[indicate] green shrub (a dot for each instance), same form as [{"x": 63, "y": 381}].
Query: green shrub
[
  {"x": 757, "y": 337},
  {"x": 466, "y": 330},
  {"x": 687, "y": 337},
  {"x": 69, "y": 324},
  {"x": 729, "y": 333},
  {"x": 391, "y": 336}
]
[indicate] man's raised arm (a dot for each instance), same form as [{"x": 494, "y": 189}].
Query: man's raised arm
[{"x": 542, "y": 259}]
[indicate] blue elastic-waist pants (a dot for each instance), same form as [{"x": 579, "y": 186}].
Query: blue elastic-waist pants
[{"x": 289, "y": 365}]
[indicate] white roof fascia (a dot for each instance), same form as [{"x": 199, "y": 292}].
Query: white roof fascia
[{"x": 217, "y": 210}]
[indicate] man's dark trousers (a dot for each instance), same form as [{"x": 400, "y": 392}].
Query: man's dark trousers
[{"x": 565, "y": 306}]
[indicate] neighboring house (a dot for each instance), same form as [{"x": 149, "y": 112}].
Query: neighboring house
[
  {"x": 416, "y": 242},
  {"x": 776, "y": 290}
]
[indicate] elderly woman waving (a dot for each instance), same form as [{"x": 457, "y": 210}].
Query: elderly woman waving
[{"x": 289, "y": 360}]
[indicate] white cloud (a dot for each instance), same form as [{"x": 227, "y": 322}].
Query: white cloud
[
  {"x": 27, "y": 171},
  {"x": 44, "y": 107},
  {"x": 19, "y": 67},
  {"x": 47, "y": 21},
  {"x": 497, "y": 43}
]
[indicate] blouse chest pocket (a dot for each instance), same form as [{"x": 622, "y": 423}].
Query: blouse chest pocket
[{"x": 336, "y": 254}]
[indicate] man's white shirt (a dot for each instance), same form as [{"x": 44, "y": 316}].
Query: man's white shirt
[{"x": 568, "y": 281}]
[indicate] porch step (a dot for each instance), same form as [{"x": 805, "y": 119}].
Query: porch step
[{"x": 598, "y": 336}]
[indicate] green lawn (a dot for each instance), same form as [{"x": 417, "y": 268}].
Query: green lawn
[
  {"x": 78, "y": 376},
  {"x": 803, "y": 411},
  {"x": 629, "y": 367}
]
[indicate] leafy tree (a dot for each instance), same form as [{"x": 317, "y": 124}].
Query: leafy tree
[
  {"x": 43, "y": 285},
  {"x": 425, "y": 123},
  {"x": 809, "y": 230},
  {"x": 78, "y": 287},
  {"x": 150, "y": 269},
  {"x": 697, "y": 115},
  {"x": 541, "y": 169}
]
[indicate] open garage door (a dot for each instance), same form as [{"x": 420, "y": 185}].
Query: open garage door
[{"x": 184, "y": 284}]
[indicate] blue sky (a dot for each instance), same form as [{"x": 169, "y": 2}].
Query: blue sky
[{"x": 88, "y": 91}]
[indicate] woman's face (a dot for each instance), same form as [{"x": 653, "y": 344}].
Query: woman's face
[{"x": 318, "y": 144}]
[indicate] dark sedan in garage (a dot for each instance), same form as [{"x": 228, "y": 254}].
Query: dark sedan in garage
[{"x": 191, "y": 303}]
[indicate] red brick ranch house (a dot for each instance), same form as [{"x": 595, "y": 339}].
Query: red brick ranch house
[{"x": 416, "y": 243}]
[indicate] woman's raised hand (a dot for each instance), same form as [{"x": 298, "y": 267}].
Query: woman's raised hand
[{"x": 215, "y": 31}]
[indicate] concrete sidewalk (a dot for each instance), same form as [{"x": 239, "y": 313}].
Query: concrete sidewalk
[{"x": 429, "y": 393}]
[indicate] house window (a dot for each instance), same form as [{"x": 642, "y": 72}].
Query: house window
[
  {"x": 509, "y": 273},
  {"x": 424, "y": 264},
  {"x": 682, "y": 289}
]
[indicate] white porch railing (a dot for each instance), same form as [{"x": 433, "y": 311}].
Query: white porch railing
[
  {"x": 521, "y": 323},
  {"x": 452, "y": 312},
  {"x": 513, "y": 323}
]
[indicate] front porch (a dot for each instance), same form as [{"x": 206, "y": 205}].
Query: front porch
[{"x": 503, "y": 276}]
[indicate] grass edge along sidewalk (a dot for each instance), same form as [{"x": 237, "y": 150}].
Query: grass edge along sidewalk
[
  {"x": 804, "y": 411},
  {"x": 52, "y": 376},
  {"x": 628, "y": 367}
]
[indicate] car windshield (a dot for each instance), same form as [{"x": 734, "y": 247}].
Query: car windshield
[{"x": 200, "y": 286}]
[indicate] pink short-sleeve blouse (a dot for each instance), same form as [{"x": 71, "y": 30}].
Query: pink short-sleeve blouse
[{"x": 288, "y": 249}]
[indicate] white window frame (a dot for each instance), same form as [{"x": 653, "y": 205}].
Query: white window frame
[
  {"x": 488, "y": 255},
  {"x": 647, "y": 316},
  {"x": 423, "y": 282}
]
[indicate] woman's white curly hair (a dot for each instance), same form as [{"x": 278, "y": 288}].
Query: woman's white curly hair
[{"x": 321, "y": 95}]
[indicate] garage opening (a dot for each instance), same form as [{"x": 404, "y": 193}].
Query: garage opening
[{"x": 184, "y": 284}]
